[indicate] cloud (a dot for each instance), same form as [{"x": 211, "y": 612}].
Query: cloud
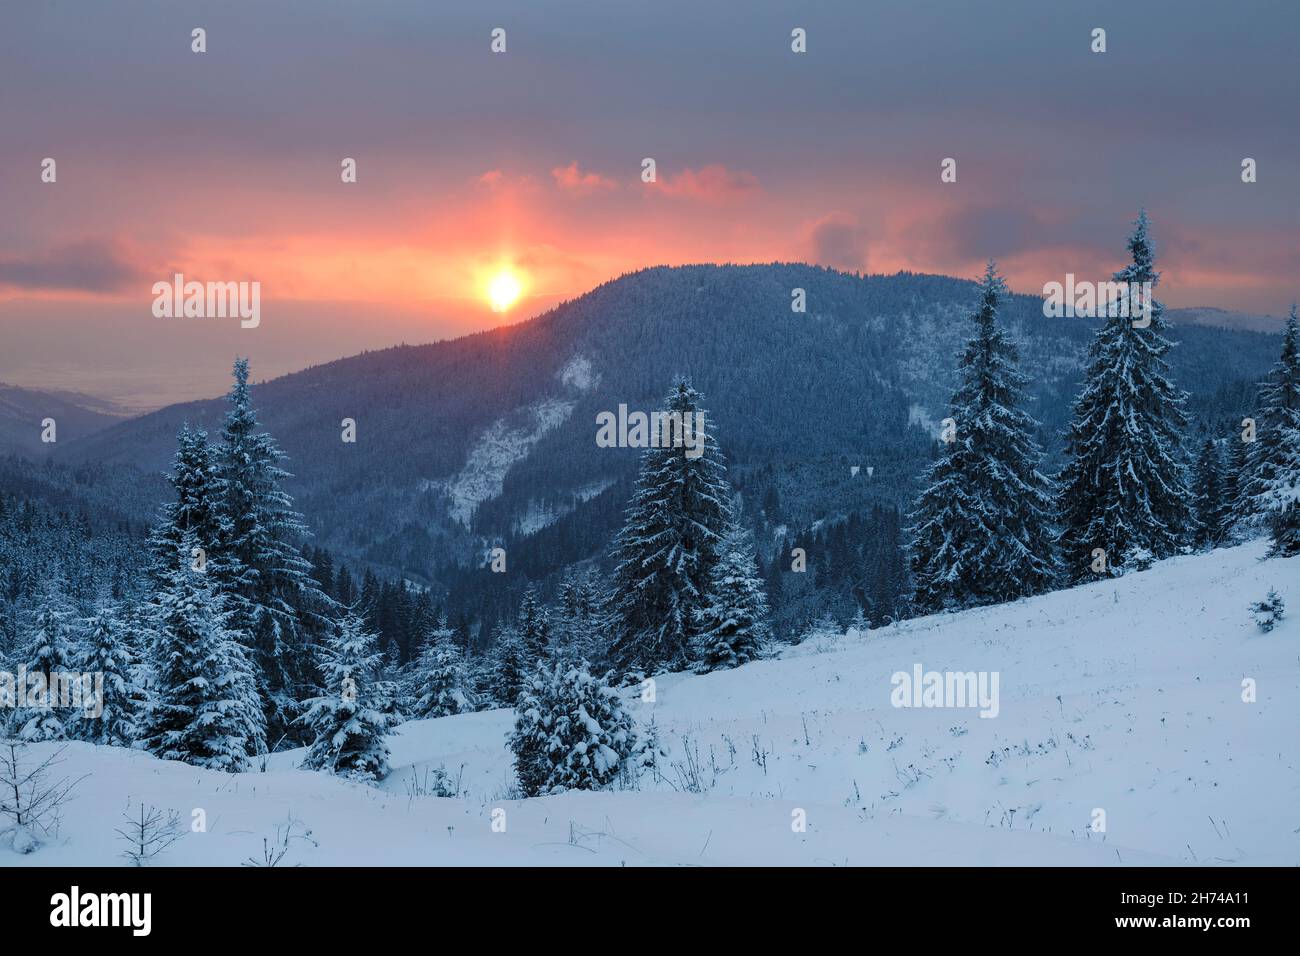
[
  {"x": 978, "y": 233},
  {"x": 838, "y": 241},
  {"x": 714, "y": 183},
  {"x": 88, "y": 265},
  {"x": 573, "y": 180}
]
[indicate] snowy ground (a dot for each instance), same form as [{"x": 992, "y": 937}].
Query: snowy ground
[{"x": 1123, "y": 696}]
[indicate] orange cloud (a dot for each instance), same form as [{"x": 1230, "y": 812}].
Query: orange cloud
[
  {"x": 714, "y": 183},
  {"x": 571, "y": 179}
]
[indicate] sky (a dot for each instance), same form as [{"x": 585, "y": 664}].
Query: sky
[{"x": 225, "y": 165}]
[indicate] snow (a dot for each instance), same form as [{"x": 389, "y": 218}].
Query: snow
[
  {"x": 579, "y": 374},
  {"x": 1123, "y": 695},
  {"x": 499, "y": 447},
  {"x": 918, "y": 415},
  {"x": 538, "y": 516}
]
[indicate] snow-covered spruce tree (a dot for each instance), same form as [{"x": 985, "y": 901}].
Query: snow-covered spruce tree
[
  {"x": 981, "y": 530},
  {"x": 441, "y": 632},
  {"x": 194, "y": 480},
  {"x": 580, "y": 622},
  {"x": 733, "y": 627},
  {"x": 1124, "y": 488},
  {"x": 139, "y": 620},
  {"x": 347, "y": 725},
  {"x": 669, "y": 543},
  {"x": 534, "y": 627},
  {"x": 1268, "y": 612},
  {"x": 49, "y": 652},
  {"x": 1272, "y": 485},
  {"x": 507, "y": 667},
  {"x": 1235, "y": 475},
  {"x": 275, "y": 599},
  {"x": 1213, "y": 514},
  {"x": 106, "y": 651},
  {"x": 204, "y": 709},
  {"x": 442, "y": 681},
  {"x": 571, "y": 732}
]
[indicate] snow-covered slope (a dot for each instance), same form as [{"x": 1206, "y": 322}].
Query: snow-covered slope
[{"x": 1124, "y": 696}]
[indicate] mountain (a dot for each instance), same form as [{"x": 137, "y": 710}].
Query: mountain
[
  {"x": 1123, "y": 695},
  {"x": 23, "y": 412},
  {"x": 491, "y": 437},
  {"x": 1228, "y": 319}
]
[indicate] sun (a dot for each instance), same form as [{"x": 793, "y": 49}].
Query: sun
[{"x": 504, "y": 290}]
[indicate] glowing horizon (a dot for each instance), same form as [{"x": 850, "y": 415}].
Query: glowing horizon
[{"x": 226, "y": 166}]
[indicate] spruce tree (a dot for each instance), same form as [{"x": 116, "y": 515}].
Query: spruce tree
[
  {"x": 580, "y": 625},
  {"x": 571, "y": 732},
  {"x": 347, "y": 721},
  {"x": 733, "y": 627},
  {"x": 194, "y": 480},
  {"x": 205, "y": 709},
  {"x": 507, "y": 667},
  {"x": 139, "y": 622},
  {"x": 668, "y": 546},
  {"x": 1236, "y": 476},
  {"x": 1124, "y": 488},
  {"x": 441, "y": 676},
  {"x": 534, "y": 629},
  {"x": 48, "y": 655},
  {"x": 981, "y": 530},
  {"x": 1213, "y": 514},
  {"x": 274, "y": 597},
  {"x": 107, "y": 652},
  {"x": 1272, "y": 486}
]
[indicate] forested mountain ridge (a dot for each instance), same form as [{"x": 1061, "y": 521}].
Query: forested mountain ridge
[
  {"x": 497, "y": 429},
  {"x": 23, "y": 412}
]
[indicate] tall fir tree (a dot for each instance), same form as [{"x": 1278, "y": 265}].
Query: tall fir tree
[
  {"x": 348, "y": 721},
  {"x": 1124, "y": 488},
  {"x": 1213, "y": 510},
  {"x": 274, "y": 596},
  {"x": 1235, "y": 479},
  {"x": 733, "y": 627},
  {"x": 507, "y": 668},
  {"x": 194, "y": 511},
  {"x": 981, "y": 530},
  {"x": 49, "y": 652},
  {"x": 106, "y": 651},
  {"x": 580, "y": 625},
  {"x": 205, "y": 709},
  {"x": 1272, "y": 485},
  {"x": 534, "y": 627},
  {"x": 669, "y": 544}
]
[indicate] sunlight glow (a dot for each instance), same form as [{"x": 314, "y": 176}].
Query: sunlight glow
[{"x": 504, "y": 291}]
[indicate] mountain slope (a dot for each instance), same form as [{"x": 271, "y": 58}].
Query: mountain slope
[
  {"x": 1123, "y": 696},
  {"x": 497, "y": 430},
  {"x": 23, "y": 411},
  {"x": 1228, "y": 319}
]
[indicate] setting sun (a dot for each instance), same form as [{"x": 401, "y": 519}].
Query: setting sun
[{"x": 503, "y": 291}]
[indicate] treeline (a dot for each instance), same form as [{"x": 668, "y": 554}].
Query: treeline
[
  {"x": 227, "y": 640},
  {"x": 991, "y": 526}
]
